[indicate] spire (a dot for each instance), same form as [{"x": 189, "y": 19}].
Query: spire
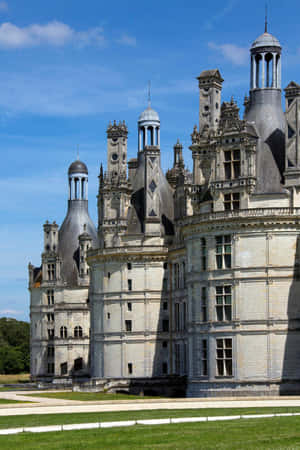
[
  {"x": 266, "y": 18},
  {"x": 77, "y": 152}
]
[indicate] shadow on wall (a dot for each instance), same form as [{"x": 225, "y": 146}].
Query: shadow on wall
[
  {"x": 276, "y": 142},
  {"x": 291, "y": 362}
]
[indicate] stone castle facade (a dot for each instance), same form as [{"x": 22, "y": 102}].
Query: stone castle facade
[{"x": 191, "y": 280}]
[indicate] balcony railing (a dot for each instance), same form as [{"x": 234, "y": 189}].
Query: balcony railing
[{"x": 243, "y": 213}]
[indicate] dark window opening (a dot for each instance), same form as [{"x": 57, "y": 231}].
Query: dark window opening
[
  {"x": 128, "y": 325},
  {"x": 165, "y": 325},
  {"x": 130, "y": 285},
  {"x": 78, "y": 364},
  {"x": 165, "y": 368},
  {"x": 64, "y": 368},
  {"x": 130, "y": 368}
]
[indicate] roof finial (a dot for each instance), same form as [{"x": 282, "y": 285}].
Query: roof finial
[
  {"x": 266, "y": 19},
  {"x": 149, "y": 94}
]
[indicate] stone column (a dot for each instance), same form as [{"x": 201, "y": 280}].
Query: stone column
[
  {"x": 274, "y": 81},
  {"x": 257, "y": 62},
  {"x": 279, "y": 73},
  {"x": 263, "y": 71},
  {"x": 146, "y": 135},
  {"x": 140, "y": 139},
  {"x": 252, "y": 75}
]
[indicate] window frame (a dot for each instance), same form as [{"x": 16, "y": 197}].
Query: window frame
[
  {"x": 223, "y": 303},
  {"x": 223, "y": 251},
  {"x": 224, "y": 360}
]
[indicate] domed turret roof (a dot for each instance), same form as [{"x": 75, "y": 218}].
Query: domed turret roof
[
  {"x": 265, "y": 40},
  {"x": 150, "y": 115},
  {"x": 77, "y": 167}
]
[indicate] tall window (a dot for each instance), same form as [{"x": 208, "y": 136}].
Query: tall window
[
  {"x": 204, "y": 304},
  {"x": 165, "y": 368},
  {"x": 183, "y": 275},
  {"x": 51, "y": 333},
  {"x": 232, "y": 164},
  {"x": 203, "y": 254},
  {"x": 63, "y": 332},
  {"x": 177, "y": 358},
  {"x": 165, "y": 325},
  {"x": 50, "y": 297},
  {"x": 50, "y": 368},
  {"x": 130, "y": 368},
  {"x": 232, "y": 201},
  {"x": 50, "y": 351},
  {"x": 204, "y": 365},
  {"x": 176, "y": 275},
  {"x": 223, "y": 303},
  {"x": 184, "y": 316},
  {"x": 223, "y": 251},
  {"x": 51, "y": 272},
  {"x": 177, "y": 317},
  {"x": 128, "y": 325},
  {"x": 78, "y": 332},
  {"x": 129, "y": 285},
  {"x": 224, "y": 357}
]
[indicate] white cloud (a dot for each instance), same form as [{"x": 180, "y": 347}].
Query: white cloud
[
  {"x": 3, "y": 6},
  {"x": 236, "y": 55},
  {"x": 53, "y": 33},
  {"x": 125, "y": 39}
]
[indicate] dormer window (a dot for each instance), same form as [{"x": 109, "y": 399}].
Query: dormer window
[{"x": 232, "y": 164}]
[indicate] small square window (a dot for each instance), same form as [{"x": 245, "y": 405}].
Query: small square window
[
  {"x": 129, "y": 266},
  {"x": 165, "y": 344}
]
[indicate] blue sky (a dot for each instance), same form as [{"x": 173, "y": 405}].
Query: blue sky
[{"x": 68, "y": 67}]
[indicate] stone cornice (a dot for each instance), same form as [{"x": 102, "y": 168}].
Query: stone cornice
[
  {"x": 231, "y": 220},
  {"x": 134, "y": 253}
]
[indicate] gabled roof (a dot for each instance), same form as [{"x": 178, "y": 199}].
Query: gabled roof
[
  {"x": 210, "y": 73},
  {"x": 292, "y": 85}
]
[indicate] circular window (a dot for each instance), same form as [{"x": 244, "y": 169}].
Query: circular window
[{"x": 114, "y": 156}]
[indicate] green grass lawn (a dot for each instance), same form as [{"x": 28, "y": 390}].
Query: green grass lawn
[
  {"x": 90, "y": 396},
  {"x": 5, "y": 401},
  {"x": 57, "y": 419},
  {"x": 273, "y": 433}
]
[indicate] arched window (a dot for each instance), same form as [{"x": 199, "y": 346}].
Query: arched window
[
  {"x": 63, "y": 332},
  {"x": 77, "y": 332}
]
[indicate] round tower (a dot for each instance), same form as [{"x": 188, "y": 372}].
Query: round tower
[
  {"x": 265, "y": 110},
  {"x": 76, "y": 222},
  {"x": 149, "y": 129}
]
